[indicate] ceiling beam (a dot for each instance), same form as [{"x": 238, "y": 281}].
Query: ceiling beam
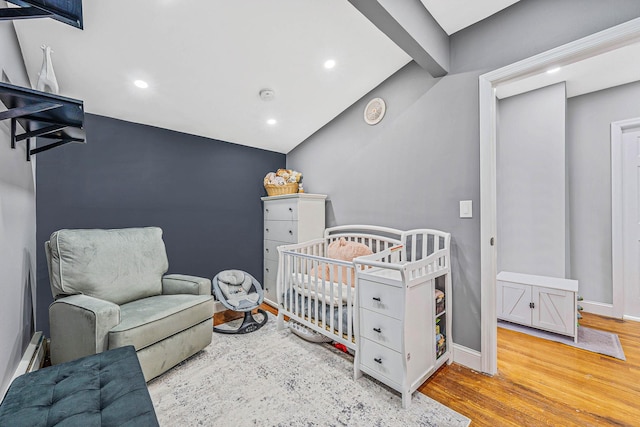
[{"x": 410, "y": 25}]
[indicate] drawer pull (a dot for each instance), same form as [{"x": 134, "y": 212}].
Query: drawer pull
[
  {"x": 376, "y": 299},
  {"x": 267, "y": 210},
  {"x": 290, "y": 231},
  {"x": 378, "y": 360},
  {"x": 290, "y": 209},
  {"x": 267, "y": 250},
  {"x": 266, "y": 229},
  {"x": 378, "y": 330},
  {"x": 266, "y": 269}
]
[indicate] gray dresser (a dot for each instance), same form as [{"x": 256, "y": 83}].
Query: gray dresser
[{"x": 290, "y": 218}]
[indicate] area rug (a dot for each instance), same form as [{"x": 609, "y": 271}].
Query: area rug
[
  {"x": 274, "y": 378},
  {"x": 594, "y": 340}
]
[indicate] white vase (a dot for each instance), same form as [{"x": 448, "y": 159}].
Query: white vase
[{"x": 47, "y": 78}]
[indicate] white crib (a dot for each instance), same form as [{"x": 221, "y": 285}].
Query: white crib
[{"x": 328, "y": 305}]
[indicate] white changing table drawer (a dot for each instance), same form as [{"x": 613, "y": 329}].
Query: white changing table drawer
[
  {"x": 381, "y": 360},
  {"x": 383, "y": 299},
  {"x": 382, "y": 329}
]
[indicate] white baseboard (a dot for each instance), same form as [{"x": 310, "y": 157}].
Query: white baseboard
[
  {"x": 465, "y": 356},
  {"x": 218, "y": 307},
  {"x": 600, "y": 308},
  {"x": 632, "y": 318}
]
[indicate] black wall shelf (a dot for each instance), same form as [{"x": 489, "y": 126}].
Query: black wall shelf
[
  {"x": 67, "y": 11},
  {"x": 42, "y": 115}
]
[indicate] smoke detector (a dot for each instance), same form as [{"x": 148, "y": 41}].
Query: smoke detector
[{"x": 267, "y": 94}]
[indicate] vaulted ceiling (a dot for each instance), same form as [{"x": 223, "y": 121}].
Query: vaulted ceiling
[{"x": 206, "y": 62}]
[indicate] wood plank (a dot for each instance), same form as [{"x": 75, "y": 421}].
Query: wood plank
[{"x": 541, "y": 382}]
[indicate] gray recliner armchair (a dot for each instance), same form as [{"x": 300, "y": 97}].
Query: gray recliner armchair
[{"x": 111, "y": 290}]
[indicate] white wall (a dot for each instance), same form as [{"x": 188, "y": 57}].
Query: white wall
[
  {"x": 17, "y": 227},
  {"x": 531, "y": 175},
  {"x": 589, "y": 120}
]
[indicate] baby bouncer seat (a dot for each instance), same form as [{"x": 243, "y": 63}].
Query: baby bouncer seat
[{"x": 239, "y": 291}]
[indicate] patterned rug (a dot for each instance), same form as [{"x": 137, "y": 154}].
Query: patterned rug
[
  {"x": 594, "y": 340},
  {"x": 274, "y": 378}
]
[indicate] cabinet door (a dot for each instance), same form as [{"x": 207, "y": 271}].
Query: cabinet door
[
  {"x": 554, "y": 310},
  {"x": 513, "y": 302}
]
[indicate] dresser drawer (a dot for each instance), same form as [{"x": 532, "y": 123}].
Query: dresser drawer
[
  {"x": 381, "y": 329},
  {"x": 381, "y": 360},
  {"x": 280, "y": 210},
  {"x": 383, "y": 299},
  {"x": 271, "y": 248},
  {"x": 284, "y": 231},
  {"x": 270, "y": 269}
]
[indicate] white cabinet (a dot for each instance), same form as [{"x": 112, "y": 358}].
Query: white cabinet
[
  {"x": 290, "y": 218},
  {"x": 541, "y": 302},
  {"x": 398, "y": 329}
]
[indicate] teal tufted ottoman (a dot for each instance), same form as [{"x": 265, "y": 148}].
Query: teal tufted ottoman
[{"x": 104, "y": 389}]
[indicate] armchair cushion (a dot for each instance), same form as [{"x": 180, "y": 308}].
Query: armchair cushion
[
  {"x": 150, "y": 320},
  {"x": 114, "y": 265},
  {"x": 183, "y": 284}
]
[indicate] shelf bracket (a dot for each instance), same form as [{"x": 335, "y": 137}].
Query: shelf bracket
[
  {"x": 18, "y": 112},
  {"x": 31, "y": 152},
  {"x": 41, "y": 115},
  {"x": 38, "y": 132}
]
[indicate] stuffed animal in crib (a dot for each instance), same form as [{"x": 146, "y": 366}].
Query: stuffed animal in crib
[{"x": 346, "y": 251}]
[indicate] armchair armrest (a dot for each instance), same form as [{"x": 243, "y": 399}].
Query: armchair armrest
[
  {"x": 80, "y": 326},
  {"x": 183, "y": 284}
]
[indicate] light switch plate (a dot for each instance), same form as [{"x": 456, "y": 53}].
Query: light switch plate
[{"x": 466, "y": 209}]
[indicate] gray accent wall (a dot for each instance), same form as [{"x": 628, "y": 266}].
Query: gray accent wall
[
  {"x": 413, "y": 168},
  {"x": 589, "y": 155},
  {"x": 204, "y": 194},
  {"x": 531, "y": 182},
  {"x": 17, "y": 227}
]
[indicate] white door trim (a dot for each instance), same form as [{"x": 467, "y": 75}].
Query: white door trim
[
  {"x": 617, "y": 237},
  {"x": 603, "y": 41}
]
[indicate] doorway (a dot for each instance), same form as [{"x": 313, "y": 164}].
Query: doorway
[{"x": 607, "y": 40}]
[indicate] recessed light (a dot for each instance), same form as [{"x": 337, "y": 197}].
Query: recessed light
[
  {"x": 141, "y": 84},
  {"x": 272, "y": 122},
  {"x": 553, "y": 70},
  {"x": 329, "y": 63}
]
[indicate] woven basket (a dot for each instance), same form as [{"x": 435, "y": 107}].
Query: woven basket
[{"x": 278, "y": 190}]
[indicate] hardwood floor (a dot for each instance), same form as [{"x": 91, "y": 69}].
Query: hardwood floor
[{"x": 543, "y": 383}]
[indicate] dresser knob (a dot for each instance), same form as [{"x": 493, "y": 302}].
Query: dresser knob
[
  {"x": 378, "y": 330},
  {"x": 266, "y": 229},
  {"x": 290, "y": 231},
  {"x": 376, "y": 299},
  {"x": 290, "y": 209},
  {"x": 378, "y": 360},
  {"x": 267, "y": 250},
  {"x": 267, "y": 210},
  {"x": 266, "y": 269}
]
